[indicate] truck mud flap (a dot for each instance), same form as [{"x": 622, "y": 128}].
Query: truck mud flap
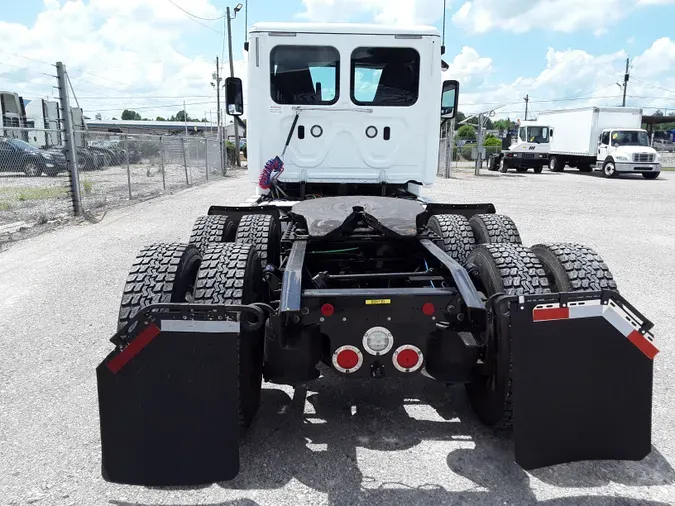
[
  {"x": 582, "y": 378},
  {"x": 168, "y": 396}
]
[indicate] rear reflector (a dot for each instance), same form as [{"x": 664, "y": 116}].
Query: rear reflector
[
  {"x": 428, "y": 309},
  {"x": 407, "y": 358},
  {"x": 611, "y": 312},
  {"x": 133, "y": 348},
  {"x": 327, "y": 310},
  {"x": 347, "y": 359}
]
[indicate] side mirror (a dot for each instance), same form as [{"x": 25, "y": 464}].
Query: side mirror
[
  {"x": 234, "y": 96},
  {"x": 449, "y": 99},
  {"x": 550, "y": 132}
]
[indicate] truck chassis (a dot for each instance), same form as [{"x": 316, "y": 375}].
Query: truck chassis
[{"x": 368, "y": 287}]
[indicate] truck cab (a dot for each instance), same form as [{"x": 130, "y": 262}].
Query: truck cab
[
  {"x": 627, "y": 150},
  {"x": 344, "y": 107},
  {"x": 529, "y": 151}
]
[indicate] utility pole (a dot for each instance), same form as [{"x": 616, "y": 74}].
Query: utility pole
[
  {"x": 185, "y": 118},
  {"x": 71, "y": 154},
  {"x": 527, "y": 100},
  {"x": 625, "y": 81},
  {"x": 236, "y": 127},
  {"x": 217, "y": 77}
]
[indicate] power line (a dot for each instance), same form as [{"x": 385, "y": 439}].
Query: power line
[
  {"x": 130, "y": 107},
  {"x": 196, "y": 20},
  {"x": 144, "y": 97},
  {"x": 653, "y": 85},
  {"x": 194, "y": 16}
]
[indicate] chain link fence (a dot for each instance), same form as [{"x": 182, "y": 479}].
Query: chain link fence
[
  {"x": 35, "y": 184},
  {"x": 459, "y": 153},
  {"x": 666, "y": 150},
  {"x": 120, "y": 168}
]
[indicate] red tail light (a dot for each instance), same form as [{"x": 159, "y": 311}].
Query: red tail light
[
  {"x": 408, "y": 358},
  {"x": 347, "y": 359}
]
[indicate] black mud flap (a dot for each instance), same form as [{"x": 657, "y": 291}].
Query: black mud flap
[
  {"x": 582, "y": 378},
  {"x": 168, "y": 397}
]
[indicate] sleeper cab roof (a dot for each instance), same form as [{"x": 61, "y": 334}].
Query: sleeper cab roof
[{"x": 345, "y": 28}]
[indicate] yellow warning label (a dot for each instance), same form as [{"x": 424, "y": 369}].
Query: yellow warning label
[{"x": 375, "y": 302}]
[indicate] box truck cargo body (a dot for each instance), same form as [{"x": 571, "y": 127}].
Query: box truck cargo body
[{"x": 603, "y": 138}]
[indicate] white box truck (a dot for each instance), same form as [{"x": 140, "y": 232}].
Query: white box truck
[{"x": 609, "y": 139}]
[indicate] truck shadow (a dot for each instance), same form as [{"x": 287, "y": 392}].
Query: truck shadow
[{"x": 318, "y": 447}]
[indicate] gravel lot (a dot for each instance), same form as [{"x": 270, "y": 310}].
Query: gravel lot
[{"x": 404, "y": 443}]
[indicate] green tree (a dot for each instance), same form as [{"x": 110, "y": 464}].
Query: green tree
[
  {"x": 159, "y": 118},
  {"x": 459, "y": 117},
  {"x": 130, "y": 115},
  {"x": 467, "y": 133},
  {"x": 181, "y": 116},
  {"x": 503, "y": 125}
]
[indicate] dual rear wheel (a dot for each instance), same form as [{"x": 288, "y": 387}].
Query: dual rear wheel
[
  {"x": 491, "y": 248},
  {"x": 220, "y": 265}
]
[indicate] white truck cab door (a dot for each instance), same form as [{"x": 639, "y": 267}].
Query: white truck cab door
[{"x": 603, "y": 146}]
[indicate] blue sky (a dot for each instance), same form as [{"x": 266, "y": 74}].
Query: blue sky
[{"x": 148, "y": 53}]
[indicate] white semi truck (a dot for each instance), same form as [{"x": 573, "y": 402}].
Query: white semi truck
[
  {"x": 610, "y": 139},
  {"x": 44, "y": 116},
  {"x": 529, "y": 151},
  {"x": 338, "y": 263}
]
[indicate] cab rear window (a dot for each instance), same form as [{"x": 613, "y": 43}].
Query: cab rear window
[
  {"x": 385, "y": 76},
  {"x": 305, "y": 75}
]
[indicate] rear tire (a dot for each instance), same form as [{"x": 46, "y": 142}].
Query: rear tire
[
  {"x": 555, "y": 164},
  {"x": 231, "y": 274},
  {"x": 574, "y": 268},
  {"x": 515, "y": 270},
  {"x": 212, "y": 229},
  {"x": 31, "y": 169},
  {"x": 494, "y": 228},
  {"x": 650, "y": 175},
  {"x": 262, "y": 231},
  {"x": 456, "y": 234},
  {"x": 503, "y": 168},
  {"x": 161, "y": 273}
]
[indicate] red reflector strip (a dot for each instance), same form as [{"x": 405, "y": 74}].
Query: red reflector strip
[
  {"x": 643, "y": 344},
  {"x": 134, "y": 348},
  {"x": 557, "y": 313}
]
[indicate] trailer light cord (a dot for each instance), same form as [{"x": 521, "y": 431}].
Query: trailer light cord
[{"x": 427, "y": 267}]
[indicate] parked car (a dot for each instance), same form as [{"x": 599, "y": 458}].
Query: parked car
[
  {"x": 19, "y": 156},
  {"x": 664, "y": 145}
]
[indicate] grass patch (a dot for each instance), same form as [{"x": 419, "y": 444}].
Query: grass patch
[
  {"x": 87, "y": 186},
  {"x": 669, "y": 169},
  {"x": 37, "y": 193},
  {"x": 5, "y": 206}
]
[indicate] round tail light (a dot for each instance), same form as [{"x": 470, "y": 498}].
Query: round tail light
[
  {"x": 378, "y": 341},
  {"x": 347, "y": 359},
  {"x": 408, "y": 358}
]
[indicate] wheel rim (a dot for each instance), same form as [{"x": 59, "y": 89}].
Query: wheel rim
[
  {"x": 31, "y": 169},
  {"x": 610, "y": 169},
  {"x": 501, "y": 164},
  {"x": 552, "y": 164}
]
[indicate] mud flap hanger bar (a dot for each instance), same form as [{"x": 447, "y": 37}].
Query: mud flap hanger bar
[
  {"x": 475, "y": 306},
  {"x": 191, "y": 312}
]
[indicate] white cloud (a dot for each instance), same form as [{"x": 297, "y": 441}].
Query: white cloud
[
  {"x": 115, "y": 48},
  {"x": 519, "y": 16},
  {"x": 575, "y": 78},
  {"x": 401, "y": 12}
]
